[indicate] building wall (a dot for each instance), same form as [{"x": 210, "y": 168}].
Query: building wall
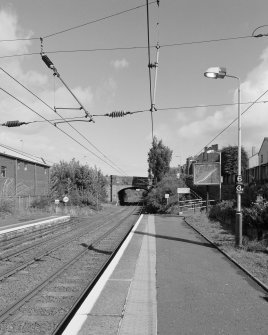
[
  {"x": 42, "y": 180},
  {"x": 7, "y": 182},
  {"x": 23, "y": 178},
  {"x": 253, "y": 161},
  {"x": 263, "y": 153}
]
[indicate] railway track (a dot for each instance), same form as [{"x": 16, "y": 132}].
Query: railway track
[
  {"x": 45, "y": 307},
  {"x": 77, "y": 225}
]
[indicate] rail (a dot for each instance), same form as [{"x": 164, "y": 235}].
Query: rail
[{"x": 110, "y": 242}]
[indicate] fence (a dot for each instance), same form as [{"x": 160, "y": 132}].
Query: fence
[
  {"x": 22, "y": 202},
  {"x": 195, "y": 204}
]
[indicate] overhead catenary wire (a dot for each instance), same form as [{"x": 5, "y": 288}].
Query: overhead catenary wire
[
  {"x": 51, "y": 66},
  {"x": 229, "y": 125},
  {"x": 71, "y": 137},
  {"x": 78, "y": 26},
  {"x": 96, "y": 20},
  {"x": 116, "y": 114},
  {"x": 77, "y": 131},
  {"x": 135, "y": 47}
]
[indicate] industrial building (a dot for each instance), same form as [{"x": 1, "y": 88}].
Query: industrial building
[{"x": 21, "y": 175}]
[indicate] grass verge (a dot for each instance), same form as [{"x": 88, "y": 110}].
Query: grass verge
[
  {"x": 253, "y": 256},
  {"x": 8, "y": 218}
]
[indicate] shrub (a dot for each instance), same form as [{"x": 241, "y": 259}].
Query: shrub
[
  {"x": 256, "y": 218},
  {"x": 155, "y": 201},
  {"x": 222, "y": 211},
  {"x": 42, "y": 203},
  {"x": 6, "y": 206}
]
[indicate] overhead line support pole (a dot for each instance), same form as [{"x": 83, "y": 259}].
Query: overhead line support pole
[{"x": 155, "y": 65}]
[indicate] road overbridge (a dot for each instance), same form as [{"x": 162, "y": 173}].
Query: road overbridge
[{"x": 118, "y": 186}]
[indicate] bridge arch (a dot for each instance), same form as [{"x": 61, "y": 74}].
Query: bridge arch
[
  {"x": 118, "y": 183},
  {"x": 131, "y": 195}
]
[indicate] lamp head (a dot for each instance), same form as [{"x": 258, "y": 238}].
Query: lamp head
[{"x": 215, "y": 72}]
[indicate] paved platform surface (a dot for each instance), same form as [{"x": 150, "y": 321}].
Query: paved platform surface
[
  {"x": 33, "y": 223},
  {"x": 171, "y": 281}
]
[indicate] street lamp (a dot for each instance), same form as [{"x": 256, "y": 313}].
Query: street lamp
[{"x": 220, "y": 73}]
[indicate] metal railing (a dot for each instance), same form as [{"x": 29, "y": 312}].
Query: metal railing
[{"x": 195, "y": 204}]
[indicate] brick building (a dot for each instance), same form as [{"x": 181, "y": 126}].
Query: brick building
[{"x": 22, "y": 176}]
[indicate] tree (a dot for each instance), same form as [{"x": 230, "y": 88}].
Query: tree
[
  {"x": 84, "y": 185},
  {"x": 229, "y": 160},
  {"x": 159, "y": 158},
  {"x": 155, "y": 200}
]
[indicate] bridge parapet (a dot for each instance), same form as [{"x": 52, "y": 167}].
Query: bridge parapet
[{"x": 117, "y": 183}]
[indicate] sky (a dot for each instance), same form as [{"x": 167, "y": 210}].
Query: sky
[{"x": 113, "y": 80}]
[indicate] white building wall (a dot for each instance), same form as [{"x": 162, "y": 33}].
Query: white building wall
[
  {"x": 263, "y": 153},
  {"x": 253, "y": 161}
]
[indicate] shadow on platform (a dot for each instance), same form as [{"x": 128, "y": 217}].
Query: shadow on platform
[{"x": 204, "y": 244}]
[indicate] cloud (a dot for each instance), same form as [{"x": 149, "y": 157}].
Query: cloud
[
  {"x": 38, "y": 138},
  {"x": 10, "y": 30},
  {"x": 120, "y": 64},
  {"x": 202, "y": 125}
]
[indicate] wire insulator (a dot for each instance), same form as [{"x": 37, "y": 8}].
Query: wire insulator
[
  {"x": 47, "y": 61},
  {"x": 13, "y": 123},
  {"x": 117, "y": 114}
]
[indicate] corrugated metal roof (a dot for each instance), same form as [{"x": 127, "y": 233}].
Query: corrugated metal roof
[{"x": 24, "y": 157}]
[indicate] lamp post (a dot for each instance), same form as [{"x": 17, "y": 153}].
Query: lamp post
[{"x": 220, "y": 73}]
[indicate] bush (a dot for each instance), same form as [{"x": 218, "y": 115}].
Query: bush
[
  {"x": 223, "y": 211},
  {"x": 256, "y": 218},
  {"x": 42, "y": 203},
  {"x": 6, "y": 207},
  {"x": 155, "y": 201}
]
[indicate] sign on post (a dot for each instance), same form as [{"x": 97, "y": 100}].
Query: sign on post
[
  {"x": 183, "y": 190},
  {"x": 207, "y": 173},
  {"x": 239, "y": 188},
  {"x": 167, "y": 197},
  {"x": 239, "y": 184},
  {"x": 238, "y": 179},
  {"x": 65, "y": 199}
]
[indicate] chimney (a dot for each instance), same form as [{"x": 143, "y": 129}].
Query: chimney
[
  {"x": 214, "y": 147},
  {"x": 253, "y": 151}
]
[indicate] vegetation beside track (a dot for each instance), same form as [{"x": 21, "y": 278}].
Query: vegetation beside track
[{"x": 12, "y": 217}]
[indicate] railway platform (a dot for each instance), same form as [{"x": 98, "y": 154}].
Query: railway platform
[
  {"x": 166, "y": 279},
  {"x": 32, "y": 224}
]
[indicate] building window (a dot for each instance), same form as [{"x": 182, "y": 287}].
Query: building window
[
  {"x": 3, "y": 171},
  {"x": 45, "y": 170},
  {"x": 25, "y": 166},
  {"x": 261, "y": 158}
]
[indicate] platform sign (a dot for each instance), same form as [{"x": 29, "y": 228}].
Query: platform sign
[
  {"x": 207, "y": 173},
  {"x": 239, "y": 188},
  {"x": 166, "y": 195},
  {"x": 238, "y": 179},
  {"x": 183, "y": 190}
]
